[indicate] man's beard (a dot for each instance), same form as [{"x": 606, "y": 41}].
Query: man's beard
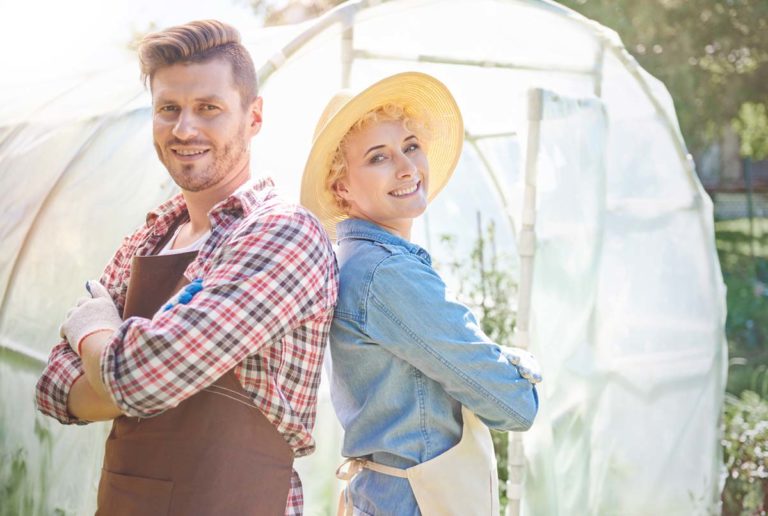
[{"x": 191, "y": 178}]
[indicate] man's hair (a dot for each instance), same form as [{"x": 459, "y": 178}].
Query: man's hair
[{"x": 199, "y": 42}]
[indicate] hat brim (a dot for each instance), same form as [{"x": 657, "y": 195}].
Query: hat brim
[{"x": 421, "y": 92}]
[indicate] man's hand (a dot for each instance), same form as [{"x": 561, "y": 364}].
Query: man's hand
[
  {"x": 92, "y": 320},
  {"x": 90, "y": 315},
  {"x": 525, "y": 361}
]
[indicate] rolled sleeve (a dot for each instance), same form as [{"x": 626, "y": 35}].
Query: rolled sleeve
[
  {"x": 53, "y": 386},
  {"x": 409, "y": 314}
]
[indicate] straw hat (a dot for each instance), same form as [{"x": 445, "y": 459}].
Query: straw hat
[{"x": 415, "y": 91}]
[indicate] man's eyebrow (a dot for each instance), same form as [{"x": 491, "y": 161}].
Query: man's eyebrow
[
  {"x": 207, "y": 98},
  {"x": 210, "y": 98},
  {"x": 163, "y": 100}
]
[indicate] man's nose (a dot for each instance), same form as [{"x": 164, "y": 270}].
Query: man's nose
[{"x": 185, "y": 128}]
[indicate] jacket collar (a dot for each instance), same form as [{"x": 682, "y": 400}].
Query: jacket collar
[{"x": 366, "y": 230}]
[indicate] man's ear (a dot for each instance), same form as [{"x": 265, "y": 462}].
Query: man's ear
[{"x": 254, "y": 113}]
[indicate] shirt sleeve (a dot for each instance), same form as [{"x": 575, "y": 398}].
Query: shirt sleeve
[
  {"x": 261, "y": 286},
  {"x": 53, "y": 386},
  {"x": 409, "y": 314},
  {"x": 64, "y": 366}
]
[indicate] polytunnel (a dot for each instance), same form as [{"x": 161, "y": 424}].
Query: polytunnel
[{"x": 571, "y": 149}]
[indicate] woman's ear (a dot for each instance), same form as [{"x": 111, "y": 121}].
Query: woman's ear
[{"x": 341, "y": 189}]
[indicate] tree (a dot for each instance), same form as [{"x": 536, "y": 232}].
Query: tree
[{"x": 712, "y": 55}]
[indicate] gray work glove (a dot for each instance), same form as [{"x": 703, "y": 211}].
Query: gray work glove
[
  {"x": 525, "y": 362},
  {"x": 90, "y": 314}
]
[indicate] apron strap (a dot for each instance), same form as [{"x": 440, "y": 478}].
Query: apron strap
[
  {"x": 349, "y": 470},
  {"x": 346, "y": 472}
]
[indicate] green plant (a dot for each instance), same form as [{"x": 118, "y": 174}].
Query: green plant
[
  {"x": 487, "y": 284},
  {"x": 745, "y": 446},
  {"x": 743, "y": 253}
]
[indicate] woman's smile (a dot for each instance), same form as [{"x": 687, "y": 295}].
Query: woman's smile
[{"x": 405, "y": 191}]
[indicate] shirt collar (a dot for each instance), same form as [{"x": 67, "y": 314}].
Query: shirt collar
[
  {"x": 248, "y": 196},
  {"x": 366, "y": 230},
  {"x": 242, "y": 202}
]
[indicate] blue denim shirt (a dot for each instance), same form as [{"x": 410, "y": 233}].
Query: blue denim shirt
[{"x": 405, "y": 358}]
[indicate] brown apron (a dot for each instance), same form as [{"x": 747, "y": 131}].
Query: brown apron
[{"x": 213, "y": 454}]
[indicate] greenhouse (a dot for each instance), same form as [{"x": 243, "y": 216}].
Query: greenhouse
[{"x": 574, "y": 175}]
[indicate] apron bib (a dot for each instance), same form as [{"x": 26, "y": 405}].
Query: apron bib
[
  {"x": 213, "y": 454},
  {"x": 461, "y": 481}
]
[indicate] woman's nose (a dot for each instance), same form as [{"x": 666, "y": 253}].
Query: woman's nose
[{"x": 406, "y": 167}]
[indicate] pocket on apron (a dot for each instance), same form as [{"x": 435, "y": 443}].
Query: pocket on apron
[{"x": 126, "y": 495}]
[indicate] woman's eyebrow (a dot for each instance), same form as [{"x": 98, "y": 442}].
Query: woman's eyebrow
[{"x": 373, "y": 149}]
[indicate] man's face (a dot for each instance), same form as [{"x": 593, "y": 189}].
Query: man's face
[{"x": 201, "y": 131}]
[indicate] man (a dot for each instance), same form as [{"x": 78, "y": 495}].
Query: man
[{"x": 204, "y": 337}]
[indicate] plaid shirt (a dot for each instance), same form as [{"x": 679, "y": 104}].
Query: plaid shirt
[{"x": 270, "y": 284}]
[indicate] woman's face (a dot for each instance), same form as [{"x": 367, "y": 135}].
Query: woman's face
[{"x": 387, "y": 176}]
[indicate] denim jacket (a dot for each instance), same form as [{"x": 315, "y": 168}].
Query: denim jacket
[{"x": 405, "y": 358}]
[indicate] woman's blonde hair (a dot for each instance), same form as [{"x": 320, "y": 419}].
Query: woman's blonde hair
[{"x": 414, "y": 121}]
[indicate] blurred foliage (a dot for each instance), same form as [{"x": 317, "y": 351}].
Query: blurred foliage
[
  {"x": 745, "y": 446},
  {"x": 485, "y": 283},
  {"x": 279, "y": 12},
  {"x": 752, "y": 128},
  {"x": 14, "y": 484},
  {"x": 743, "y": 251},
  {"x": 744, "y": 262},
  {"x": 712, "y": 55},
  {"x": 487, "y": 286}
]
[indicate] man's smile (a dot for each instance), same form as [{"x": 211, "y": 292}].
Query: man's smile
[{"x": 188, "y": 154}]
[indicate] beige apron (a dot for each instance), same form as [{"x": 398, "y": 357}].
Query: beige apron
[{"x": 462, "y": 481}]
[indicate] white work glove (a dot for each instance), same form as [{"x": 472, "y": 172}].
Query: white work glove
[
  {"x": 525, "y": 362},
  {"x": 90, "y": 314}
]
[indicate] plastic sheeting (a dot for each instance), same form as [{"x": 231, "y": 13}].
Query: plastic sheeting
[
  {"x": 629, "y": 418},
  {"x": 628, "y": 301}
]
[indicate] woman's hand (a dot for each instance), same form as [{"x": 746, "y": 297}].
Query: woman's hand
[{"x": 525, "y": 362}]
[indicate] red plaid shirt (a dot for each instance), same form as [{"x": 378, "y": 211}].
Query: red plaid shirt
[{"x": 269, "y": 287}]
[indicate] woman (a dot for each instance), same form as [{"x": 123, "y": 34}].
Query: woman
[{"x": 411, "y": 368}]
